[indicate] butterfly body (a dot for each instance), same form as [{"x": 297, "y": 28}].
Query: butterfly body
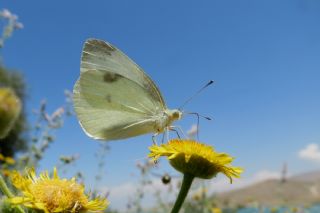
[
  {"x": 165, "y": 119},
  {"x": 114, "y": 99}
]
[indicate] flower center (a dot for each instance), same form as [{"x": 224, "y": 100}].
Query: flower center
[{"x": 58, "y": 194}]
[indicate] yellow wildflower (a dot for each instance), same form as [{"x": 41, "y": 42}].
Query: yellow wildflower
[
  {"x": 54, "y": 194},
  {"x": 200, "y": 194},
  {"x": 9, "y": 160},
  {"x": 6, "y": 172},
  {"x": 216, "y": 210},
  {"x": 10, "y": 108},
  {"x": 196, "y": 159}
]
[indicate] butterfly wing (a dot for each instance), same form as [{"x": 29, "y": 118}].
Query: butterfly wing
[
  {"x": 113, "y": 97},
  {"x": 101, "y": 55}
]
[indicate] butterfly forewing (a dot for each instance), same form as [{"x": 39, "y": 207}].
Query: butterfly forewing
[{"x": 98, "y": 54}]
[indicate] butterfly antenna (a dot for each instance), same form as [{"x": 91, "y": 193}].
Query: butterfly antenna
[
  {"x": 198, "y": 120},
  {"x": 198, "y": 115},
  {"x": 197, "y": 93}
]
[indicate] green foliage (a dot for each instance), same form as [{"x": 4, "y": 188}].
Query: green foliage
[
  {"x": 7, "y": 208},
  {"x": 16, "y": 139}
]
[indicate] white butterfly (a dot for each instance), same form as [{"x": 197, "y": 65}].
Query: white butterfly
[{"x": 115, "y": 99}]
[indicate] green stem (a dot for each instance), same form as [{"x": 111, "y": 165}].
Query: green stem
[
  {"x": 186, "y": 184},
  {"x": 4, "y": 188},
  {"x": 6, "y": 191}
]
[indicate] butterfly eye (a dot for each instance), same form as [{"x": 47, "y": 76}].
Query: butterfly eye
[{"x": 176, "y": 115}]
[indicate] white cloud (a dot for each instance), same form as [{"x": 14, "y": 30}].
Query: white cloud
[{"x": 311, "y": 152}]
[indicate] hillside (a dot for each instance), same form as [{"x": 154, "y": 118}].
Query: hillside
[{"x": 298, "y": 190}]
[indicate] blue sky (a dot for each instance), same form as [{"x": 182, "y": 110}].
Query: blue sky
[{"x": 263, "y": 56}]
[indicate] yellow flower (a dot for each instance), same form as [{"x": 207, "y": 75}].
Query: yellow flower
[
  {"x": 216, "y": 210},
  {"x": 6, "y": 172},
  {"x": 200, "y": 194},
  {"x": 9, "y": 160},
  {"x": 10, "y": 108},
  {"x": 294, "y": 209},
  {"x": 196, "y": 159},
  {"x": 54, "y": 194}
]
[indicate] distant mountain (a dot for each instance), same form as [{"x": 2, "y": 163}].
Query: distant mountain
[
  {"x": 307, "y": 177},
  {"x": 302, "y": 189}
]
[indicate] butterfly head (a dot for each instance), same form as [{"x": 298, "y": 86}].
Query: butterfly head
[{"x": 174, "y": 114}]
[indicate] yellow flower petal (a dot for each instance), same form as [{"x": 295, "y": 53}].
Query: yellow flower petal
[{"x": 19, "y": 200}]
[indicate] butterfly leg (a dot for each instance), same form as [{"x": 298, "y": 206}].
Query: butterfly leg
[
  {"x": 176, "y": 128},
  {"x": 163, "y": 135},
  {"x": 172, "y": 128},
  {"x": 167, "y": 133},
  {"x": 154, "y": 140}
]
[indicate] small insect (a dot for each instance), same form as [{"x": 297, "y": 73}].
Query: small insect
[
  {"x": 166, "y": 179},
  {"x": 115, "y": 99}
]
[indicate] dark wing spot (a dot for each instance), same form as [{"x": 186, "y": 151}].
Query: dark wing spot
[
  {"x": 108, "y": 97},
  {"x": 110, "y": 77}
]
